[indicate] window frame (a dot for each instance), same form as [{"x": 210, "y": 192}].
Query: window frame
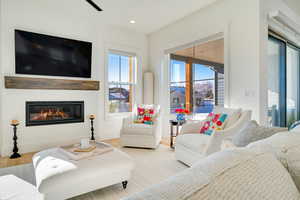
[
  {"x": 284, "y": 44},
  {"x": 109, "y": 115},
  {"x": 190, "y": 62}
]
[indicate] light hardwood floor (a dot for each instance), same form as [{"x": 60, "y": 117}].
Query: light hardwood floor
[{"x": 27, "y": 157}]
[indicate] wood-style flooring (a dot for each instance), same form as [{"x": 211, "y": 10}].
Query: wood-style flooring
[{"x": 27, "y": 157}]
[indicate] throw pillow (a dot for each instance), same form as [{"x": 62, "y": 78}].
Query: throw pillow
[
  {"x": 144, "y": 114},
  {"x": 212, "y": 123},
  {"x": 233, "y": 114},
  {"x": 252, "y": 132}
]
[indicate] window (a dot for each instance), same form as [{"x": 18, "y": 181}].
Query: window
[
  {"x": 177, "y": 85},
  {"x": 276, "y": 71},
  {"x": 204, "y": 89},
  {"x": 292, "y": 85},
  {"x": 121, "y": 70},
  {"x": 194, "y": 86},
  {"x": 283, "y": 82}
]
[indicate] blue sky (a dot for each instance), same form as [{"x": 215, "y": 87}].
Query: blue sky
[
  {"x": 114, "y": 68},
  {"x": 178, "y": 71}
]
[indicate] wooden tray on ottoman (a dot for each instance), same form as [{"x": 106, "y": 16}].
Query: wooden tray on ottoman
[{"x": 89, "y": 149}]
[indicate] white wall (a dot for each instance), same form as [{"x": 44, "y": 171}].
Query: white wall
[
  {"x": 79, "y": 21},
  {"x": 1, "y": 78},
  {"x": 294, "y": 5},
  {"x": 238, "y": 20},
  {"x": 245, "y": 27}
]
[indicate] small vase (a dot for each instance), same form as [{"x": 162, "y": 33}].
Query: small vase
[{"x": 180, "y": 117}]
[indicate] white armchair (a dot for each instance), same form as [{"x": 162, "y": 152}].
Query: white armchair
[
  {"x": 191, "y": 146},
  {"x": 141, "y": 135}
]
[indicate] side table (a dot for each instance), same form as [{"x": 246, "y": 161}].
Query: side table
[{"x": 177, "y": 124}]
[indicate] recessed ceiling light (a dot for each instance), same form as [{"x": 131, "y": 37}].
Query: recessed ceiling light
[{"x": 132, "y": 22}]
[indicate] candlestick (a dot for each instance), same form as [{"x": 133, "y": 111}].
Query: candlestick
[
  {"x": 15, "y": 123},
  {"x": 92, "y": 117}
]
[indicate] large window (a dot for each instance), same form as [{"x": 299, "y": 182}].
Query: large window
[
  {"x": 195, "y": 86},
  {"x": 121, "y": 68},
  {"x": 177, "y": 85},
  {"x": 283, "y": 82}
]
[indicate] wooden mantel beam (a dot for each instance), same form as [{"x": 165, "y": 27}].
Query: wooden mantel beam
[{"x": 14, "y": 82}]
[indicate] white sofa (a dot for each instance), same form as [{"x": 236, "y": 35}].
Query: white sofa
[
  {"x": 239, "y": 174},
  {"x": 141, "y": 135},
  {"x": 191, "y": 146}
]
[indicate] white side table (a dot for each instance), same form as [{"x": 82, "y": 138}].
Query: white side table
[{"x": 14, "y": 188}]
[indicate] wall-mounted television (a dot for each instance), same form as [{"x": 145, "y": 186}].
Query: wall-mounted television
[{"x": 39, "y": 54}]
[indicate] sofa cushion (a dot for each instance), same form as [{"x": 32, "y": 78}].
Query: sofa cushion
[
  {"x": 252, "y": 132},
  {"x": 231, "y": 175},
  {"x": 233, "y": 115},
  {"x": 138, "y": 129},
  {"x": 286, "y": 147},
  {"x": 194, "y": 142}
]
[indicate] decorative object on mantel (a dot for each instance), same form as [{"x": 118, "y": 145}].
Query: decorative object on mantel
[
  {"x": 15, "y": 123},
  {"x": 14, "y": 82},
  {"x": 92, "y": 117}
]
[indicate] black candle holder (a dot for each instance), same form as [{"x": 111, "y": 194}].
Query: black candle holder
[
  {"x": 15, "y": 149},
  {"x": 92, "y": 129}
]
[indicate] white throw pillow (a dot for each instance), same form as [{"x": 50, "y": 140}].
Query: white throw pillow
[
  {"x": 252, "y": 132},
  {"x": 286, "y": 147},
  {"x": 233, "y": 115}
]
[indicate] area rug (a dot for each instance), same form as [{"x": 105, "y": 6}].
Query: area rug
[{"x": 152, "y": 167}]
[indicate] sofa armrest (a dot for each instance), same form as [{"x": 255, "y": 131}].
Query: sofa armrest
[{"x": 191, "y": 127}]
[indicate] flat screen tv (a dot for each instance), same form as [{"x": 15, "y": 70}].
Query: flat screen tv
[{"x": 40, "y": 54}]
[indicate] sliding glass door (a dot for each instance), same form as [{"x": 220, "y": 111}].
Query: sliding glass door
[
  {"x": 276, "y": 82},
  {"x": 283, "y": 82},
  {"x": 292, "y": 84}
]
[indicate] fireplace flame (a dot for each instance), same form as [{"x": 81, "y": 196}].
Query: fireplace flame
[{"x": 50, "y": 114}]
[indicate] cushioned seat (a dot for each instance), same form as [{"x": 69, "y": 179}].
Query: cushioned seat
[
  {"x": 138, "y": 129},
  {"x": 59, "y": 178},
  {"x": 195, "y": 142}
]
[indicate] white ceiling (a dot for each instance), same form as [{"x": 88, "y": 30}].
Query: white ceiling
[{"x": 150, "y": 15}]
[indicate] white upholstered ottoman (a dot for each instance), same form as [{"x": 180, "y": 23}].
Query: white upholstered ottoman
[
  {"x": 58, "y": 177},
  {"x": 14, "y": 188}
]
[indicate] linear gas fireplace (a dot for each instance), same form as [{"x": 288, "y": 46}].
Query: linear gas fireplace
[{"x": 54, "y": 112}]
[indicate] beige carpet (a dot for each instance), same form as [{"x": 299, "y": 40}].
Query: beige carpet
[{"x": 152, "y": 166}]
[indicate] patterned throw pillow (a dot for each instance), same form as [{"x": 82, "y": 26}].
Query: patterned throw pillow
[
  {"x": 213, "y": 122},
  {"x": 144, "y": 115}
]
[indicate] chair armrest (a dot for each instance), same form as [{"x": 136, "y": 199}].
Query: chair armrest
[
  {"x": 191, "y": 127},
  {"x": 127, "y": 121}
]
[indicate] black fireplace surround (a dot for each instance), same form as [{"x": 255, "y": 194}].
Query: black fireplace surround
[{"x": 54, "y": 112}]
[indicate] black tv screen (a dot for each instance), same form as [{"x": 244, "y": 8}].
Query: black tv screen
[{"x": 40, "y": 54}]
